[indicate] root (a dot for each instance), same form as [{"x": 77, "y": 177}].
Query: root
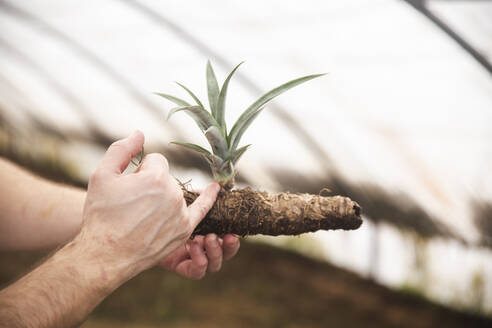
[{"x": 248, "y": 212}]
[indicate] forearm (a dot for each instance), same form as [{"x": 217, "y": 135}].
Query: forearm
[
  {"x": 36, "y": 213},
  {"x": 62, "y": 291}
]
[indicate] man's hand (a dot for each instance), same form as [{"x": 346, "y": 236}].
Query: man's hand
[
  {"x": 130, "y": 223},
  {"x": 200, "y": 255},
  {"x": 138, "y": 219}
]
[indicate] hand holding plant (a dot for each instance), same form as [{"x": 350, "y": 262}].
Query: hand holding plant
[{"x": 135, "y": 221}]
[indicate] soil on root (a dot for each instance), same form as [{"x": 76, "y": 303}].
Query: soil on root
[{"x": 249, "y": 212}]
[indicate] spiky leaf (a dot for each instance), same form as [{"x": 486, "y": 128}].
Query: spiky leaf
[
  {"x": 217, "y": 141},
  {"x": 222, "y": 99},
  {"x": 238, "y": 153},
  {"x": 202, "y": 118},
  {"x": 198, "y": 102},
  {"x": 236, "y": 137},
  {"x": 176, "y": 100},
  {"x": 191, "y": 146},
  {"x": 180, "y": 108},
  {"x": 215, "y": 161},
  {"x": 251, "y": 110},
  {"x": 213, "y": 89}
]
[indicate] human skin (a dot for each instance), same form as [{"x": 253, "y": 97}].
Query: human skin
[{"x": 124, "y": 225}]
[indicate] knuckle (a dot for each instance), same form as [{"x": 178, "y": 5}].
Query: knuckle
[
  {"x": 214, "y": 251},
  {"x": 201, "y": 265},
  {"x": 155, "y": 178},
  {"x": 96, "y": 177},
  {"x": 150, "y": 178},
  {"x": 216, "y": 258},
  {"x": 154, "y": 156},
  {"x": 159, "y": 158},
  {"x": 159, "y": 180}
]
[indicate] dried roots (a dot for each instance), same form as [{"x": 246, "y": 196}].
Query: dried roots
[{"x": 248, "y": 212}]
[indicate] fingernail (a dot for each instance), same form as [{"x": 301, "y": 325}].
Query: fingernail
[
  {"x": 213, "y": 241},
  {"x": 216, "y": 187},
  {"x": 233, "y": 239}
]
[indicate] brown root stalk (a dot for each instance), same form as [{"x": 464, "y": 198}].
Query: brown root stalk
[{"x": 248, "y": 212}]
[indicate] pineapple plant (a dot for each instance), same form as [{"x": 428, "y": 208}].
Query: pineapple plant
[{"x": 245, "y": 211}]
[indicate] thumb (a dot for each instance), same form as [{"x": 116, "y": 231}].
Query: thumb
[
  {"x": 121, "y": 152},
  {"x": 200, "y": 207}
]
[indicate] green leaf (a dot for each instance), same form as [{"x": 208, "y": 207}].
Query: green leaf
[
  {"x": 222, "y": 99},
  {"x": 238, "y": 153},
  {"x": 176, "y": 100},
  {"x": 254, "y": 108},
  {"x": 202, "y": 118},
  {"x": 217, "y": 141},
  {"x": 213, "y": 89},
  {"x": 191, "y": 146},
  {"x": 178, "y": 109},
  {"x": 215, "y": 161},
  {"x": 198, "y": 102},
  {"x": 236, "y": 137}
]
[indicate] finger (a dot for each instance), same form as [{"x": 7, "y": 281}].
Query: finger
[
  {"x": 196, "y": 267},
  {"x": 230, "y": 246},
  {"x": 153, "y": 162},
  {"x": 200, "y": 207},
  {"x": 199, "y": 239},
  {"x": 180, "y": 255},
  {"x": 214, "y": 253},
  {"x": 173, "y": 259},
  {"x": 121, "y": 152}
]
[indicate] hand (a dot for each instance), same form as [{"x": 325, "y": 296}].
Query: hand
[
  {"x": 201, "y": 255},
  {"x": 134, "y": 221}
]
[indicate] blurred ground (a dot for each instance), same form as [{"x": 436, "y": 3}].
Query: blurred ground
[{"x": 262, "y": 287}]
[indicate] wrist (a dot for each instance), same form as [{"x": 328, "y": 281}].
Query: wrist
[
  {"x": 94, "y": 264},
  {"x": 62, "y": 291}
]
